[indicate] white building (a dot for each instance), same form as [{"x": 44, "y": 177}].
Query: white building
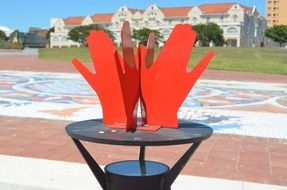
[{"x": 242, "y": 26}]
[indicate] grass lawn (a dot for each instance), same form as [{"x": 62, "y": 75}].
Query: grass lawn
[{"x": 262, "y": 60}]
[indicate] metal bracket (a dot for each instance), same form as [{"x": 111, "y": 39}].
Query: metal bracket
[
  {"x": 176, "y": 169},
  {"x": 93, "y": 165}
]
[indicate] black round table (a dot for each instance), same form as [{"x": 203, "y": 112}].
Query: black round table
[{"x": 137, "y": 174}]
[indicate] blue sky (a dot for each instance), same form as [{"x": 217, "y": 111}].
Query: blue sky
[{"x": 21, "y": 14}]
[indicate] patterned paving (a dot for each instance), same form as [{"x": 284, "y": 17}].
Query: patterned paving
[{"x": 231, "y": 107}]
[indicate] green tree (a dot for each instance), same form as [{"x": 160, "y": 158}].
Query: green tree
[
  {"x": 142, "y": 35},
  {"x": 3, "y": 35},
  {"x": 209, "y": 32},
  {"x": 79, "y": 34},
  {"x": 51, "y": 30},
  {"x": 278, "y": 33}
]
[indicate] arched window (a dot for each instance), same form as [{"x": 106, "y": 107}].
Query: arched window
[
  {"x": 59, "y": 28},
  {"x": 55, "y": 39},
  {"x": 63, "y": 39},
  {"x": 232, "y": 30}
]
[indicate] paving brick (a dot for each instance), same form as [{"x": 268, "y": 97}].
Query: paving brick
[{"x": 222, "y": 156}]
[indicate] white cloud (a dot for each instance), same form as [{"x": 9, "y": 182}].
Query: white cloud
[{"x": 7, "y": 30}]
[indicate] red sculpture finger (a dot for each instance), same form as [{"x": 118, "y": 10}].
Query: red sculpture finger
[
  {"x": 127, "y": 45},
  {"x": 196, "y": 72},
  {"x": 150, "y": 50}
]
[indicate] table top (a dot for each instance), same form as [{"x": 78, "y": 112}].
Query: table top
[{"x": 95, "y": 131}]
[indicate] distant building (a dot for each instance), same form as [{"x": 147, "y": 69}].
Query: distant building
[
  {"x": 276, "y": 12},
  {"x": 242, "y": 26},
  {"x": 30, "y": 39},
  {"x": 43, "y": 33}
]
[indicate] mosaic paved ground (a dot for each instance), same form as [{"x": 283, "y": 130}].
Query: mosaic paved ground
[{"x": 231, "y": 107}]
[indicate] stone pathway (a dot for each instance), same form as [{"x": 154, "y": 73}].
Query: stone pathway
[
  {"x": 254, "y": 159},
  {"x": 21, "y": 173},
  {"x": 24, "y": 52}
]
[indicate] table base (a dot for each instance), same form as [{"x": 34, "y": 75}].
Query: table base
[{"x": 136, "y": 175}]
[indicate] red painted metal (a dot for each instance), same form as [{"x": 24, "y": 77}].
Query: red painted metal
[
  {"x": 166, "y": 83},
  {"x": 116, "y": 80},
  {"x": 161, "y": 85}
]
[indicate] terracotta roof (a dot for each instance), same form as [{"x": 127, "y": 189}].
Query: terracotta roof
[
  {"x": 220, "y": 8},
  {"x": 176, "y": 11},
  {"x": 100, "y": 18},
  {"x": 133, "y": 11},
  {"x": 215, "y": 8},
  {"x": 74, "y": 20},
  {"x": 247, "y": 9}
]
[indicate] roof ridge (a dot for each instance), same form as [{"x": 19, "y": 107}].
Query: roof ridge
[
  {"x": 175, "y": 7},
  {"x": 231, "y": 3},
  {"x": 75, "y": 17}
]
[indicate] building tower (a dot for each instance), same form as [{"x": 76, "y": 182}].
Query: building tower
[{"x": 276, "y": 12}]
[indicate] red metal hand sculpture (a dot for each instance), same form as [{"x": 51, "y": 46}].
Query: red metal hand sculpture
[
  {"x": 166, "y": 82},
  {"x": 116, "y": 80},
  {"x": 161, "y": 85}
]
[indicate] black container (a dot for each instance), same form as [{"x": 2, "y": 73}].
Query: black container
[{"x": 136, "y": 175}]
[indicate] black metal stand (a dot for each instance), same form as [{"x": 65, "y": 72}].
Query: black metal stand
[
  {"x": 138, "y": 174},
  {"x": 115, "y": 181}
]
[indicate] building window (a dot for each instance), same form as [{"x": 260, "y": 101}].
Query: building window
[
  {"x": 63, "y": 39},
  {"x": 55, "y": 39},
  {"x": 166, "y": 33},
  {"x": 221, "y": 19},
  {"x": 235, "y": 18},
  {"x": 169, "y": 21},
  {"x": 194, "y": 20},
  {"x": 207, "y": 19},
  {"x": 232, "y": 30}
]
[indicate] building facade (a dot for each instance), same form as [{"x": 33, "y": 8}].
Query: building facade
[
  {"x": 276, "y": 12},
  {"x": 242, "y": 26}
]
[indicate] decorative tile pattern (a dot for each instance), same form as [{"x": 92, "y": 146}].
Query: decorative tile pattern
[{"x": 232, "y": 107}]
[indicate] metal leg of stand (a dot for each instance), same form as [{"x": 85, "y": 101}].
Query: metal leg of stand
[
  {"x": 142, "y": 153},
  {"x": 96, "y": 169},
  {"x": 176, "y": 169},
  {"x": 141, "y": 160}
]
